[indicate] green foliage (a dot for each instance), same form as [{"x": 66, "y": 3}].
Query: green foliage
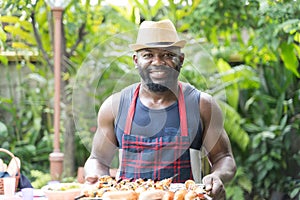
[
  {"x": 259, "y": 95},
  {"x": 289, "y": 58},
  {"x": 233, "y": 126},
  {"x": 258, "y": 31},
  {"x": 28, "y": 126},
  {"x": 40, "y": 179},
  {"x": 3, "y": 131},
  {"x": 264, "y": 35},
  {"x": 240, "y": 186},
  {"x": 20, "y": 30},
  {"x": 271, "y": 138}
]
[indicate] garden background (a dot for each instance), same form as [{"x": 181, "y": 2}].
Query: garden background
[{"x": 244, "y": 53}]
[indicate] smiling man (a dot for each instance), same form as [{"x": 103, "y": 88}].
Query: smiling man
[{"x": 156, "y": 122}]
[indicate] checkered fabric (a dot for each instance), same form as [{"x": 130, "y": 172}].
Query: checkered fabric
[
  {"x": 160, "y": 157},
  {"x": 156, "y": 158}
]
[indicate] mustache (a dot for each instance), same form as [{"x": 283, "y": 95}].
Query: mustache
[{"x": 162, "y": 68}]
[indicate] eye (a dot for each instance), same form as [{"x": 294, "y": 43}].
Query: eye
[
  {"x": 147, "y": 55},
  {"x": 168, "y": 55}
]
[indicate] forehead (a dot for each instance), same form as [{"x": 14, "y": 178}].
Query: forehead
[{"x": 175, "y": 50}]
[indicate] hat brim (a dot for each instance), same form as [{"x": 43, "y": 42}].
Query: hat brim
[{"x": 136, "y": 47}]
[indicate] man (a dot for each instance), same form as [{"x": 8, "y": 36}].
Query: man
[{"x": 156, "y": 122}]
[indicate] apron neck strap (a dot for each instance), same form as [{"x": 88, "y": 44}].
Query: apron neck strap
[{"x": 181, "y": 107}]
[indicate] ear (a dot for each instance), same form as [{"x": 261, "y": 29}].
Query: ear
[
  {"x": 181, "y": 57},
  {"x": 135, "y": 59}
]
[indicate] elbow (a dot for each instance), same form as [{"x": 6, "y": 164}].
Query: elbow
[
  {"x": 225, "y": 168},
  {"x": 232, "y": 169}
]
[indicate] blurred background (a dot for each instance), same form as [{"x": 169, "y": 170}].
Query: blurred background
[{"x": 244, "y": 53}]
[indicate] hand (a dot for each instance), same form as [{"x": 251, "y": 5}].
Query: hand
[
  {"x": 214, "y": 186},
  {"x": 91, "y": 179}
]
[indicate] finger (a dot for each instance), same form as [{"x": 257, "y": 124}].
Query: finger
[
  {"x": 220, "y": 196},
  {"x": 218, "y": 191},
  {"x": 208, "y": 187},
  {"x": 91, "y": 179},
  {"x": 208, "y": 182}
]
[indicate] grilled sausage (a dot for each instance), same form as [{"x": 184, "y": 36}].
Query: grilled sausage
[
  {"x": 179, "y": 194},
  {"x": 124, "y": 195},
  {"x": 169, "y": 195},
  {"x": 152, "y": 194}
]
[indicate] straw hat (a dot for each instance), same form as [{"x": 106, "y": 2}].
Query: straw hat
[{"x": 157, "y": 35}]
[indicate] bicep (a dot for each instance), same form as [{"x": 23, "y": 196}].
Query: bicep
[
  {"x": 215, "y": 139},
  {"x": 104, "y": 141}
]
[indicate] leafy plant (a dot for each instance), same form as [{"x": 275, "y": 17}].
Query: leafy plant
[
  {"x": 40, "y": 178},
  {"x": 271, "y": 131},
  {"x": 252, "y": 69},
  {"x": 29, "y": 122}
]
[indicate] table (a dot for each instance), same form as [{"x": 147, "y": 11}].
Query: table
[{"x": 37, "y": 195}]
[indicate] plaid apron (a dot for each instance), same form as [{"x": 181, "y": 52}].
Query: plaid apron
[{"x": 158, "y": 157}]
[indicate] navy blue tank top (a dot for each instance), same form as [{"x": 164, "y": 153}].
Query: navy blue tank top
[{"x": 159, "y": 122}]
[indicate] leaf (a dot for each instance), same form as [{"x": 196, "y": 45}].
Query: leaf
[
  {"x": 4, "y": 60},
  {"x": 9, "y": 19},
  {"x": 155, "y": 9},
  {"x": 19, "y": 45},
  {"x": 297, "y": 38},
  {"x": 295, "y": 192},
  {"x": 31, "y": 66},
  {"x": 2, "y": 35},
  {"x": 214, "y": 36},
  {"x": 262, "y": 174},
  {"x": 289, "y": 26},
  {"x": 245, "y": 183},
  {"x": 283, "y": 122},
  {"x": 234, "y": 193},
  {"x": 232, "y": 91},
  {"x": 268, "y": 135},
  {"x": 3, "y": 130},
  {"x": 289, "y": 58},
  {"x": 233, "y": 126},
  {"x": 252, "y": 127},
  {"x": 38, "y": 78},
  {"x": 17, "y": 31},
  {"x": 257, "y": 139}
]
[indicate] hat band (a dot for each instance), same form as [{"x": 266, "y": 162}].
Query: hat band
[{"x": 159, "y": 43}]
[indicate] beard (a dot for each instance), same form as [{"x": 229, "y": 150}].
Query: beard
[
  {"x": 164, "y": 84},
  {"x": 155, "y": 87}
]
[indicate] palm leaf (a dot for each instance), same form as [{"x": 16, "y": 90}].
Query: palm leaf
[{"x": 233, "y": 126}]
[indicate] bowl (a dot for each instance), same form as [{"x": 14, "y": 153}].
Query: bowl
[{"x": 62, "y": 191}]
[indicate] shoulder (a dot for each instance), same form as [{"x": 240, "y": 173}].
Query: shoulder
[
  {"x": 206, "y": 99},
  {"x": 109, "y": 107},
  {"x": 112, "y": 103},
  {"x": 208, "y": 106},
  {"x": 210, "y": 110},
  {"x": 190, "y": 90}
]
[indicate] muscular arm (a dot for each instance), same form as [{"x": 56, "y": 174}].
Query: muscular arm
[
  {"x": 104, "y": 142},
  {"x": 216, "y": 144}
]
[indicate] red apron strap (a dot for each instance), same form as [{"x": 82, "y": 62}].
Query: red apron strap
[
  {"x": 131, "y": 111},
  {"x": 182, "y": 112},
  {"x": 181, "y": 107}
]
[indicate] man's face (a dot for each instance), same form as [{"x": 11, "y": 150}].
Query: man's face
[{"x": 159, "y": 67}]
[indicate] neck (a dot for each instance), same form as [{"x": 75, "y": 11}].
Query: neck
[{"x": 158, "y": 100}]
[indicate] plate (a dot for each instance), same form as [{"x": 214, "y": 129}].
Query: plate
[{"x": 62, "y": 191}]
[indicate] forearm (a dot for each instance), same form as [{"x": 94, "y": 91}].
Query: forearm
[
  {"x": 224, "y": 168},
  {"x": 94, "y": 168}
]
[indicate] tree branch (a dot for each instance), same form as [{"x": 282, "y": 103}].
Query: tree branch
[
  {"x": 39, "y": 41},
  {"x": 81, "y": 34}
]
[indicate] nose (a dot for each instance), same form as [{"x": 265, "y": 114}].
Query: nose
[{"x": 158, "y": 60}]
